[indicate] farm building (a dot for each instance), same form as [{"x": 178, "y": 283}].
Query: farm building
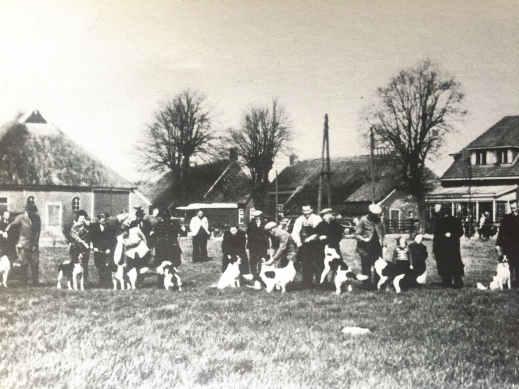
[
  {"x": 484, "y": 175},
  {"x": 220, "y": 188},
  {"x": 39, "y": 160}
]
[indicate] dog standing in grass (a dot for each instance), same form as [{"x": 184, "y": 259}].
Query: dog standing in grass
[
  {"x": 5, "y": 268},
  {"x": 73, "y": 273}
]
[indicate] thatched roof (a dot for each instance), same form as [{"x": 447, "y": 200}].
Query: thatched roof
[
  {"x": 505, "y": 133},
  {"x": 224, "y": 177},
  {"x": 36, "y": 153},
  {"x": 383, "y": 187}
]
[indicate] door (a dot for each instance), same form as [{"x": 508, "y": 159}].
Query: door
[{"x": 112, "y": 203}]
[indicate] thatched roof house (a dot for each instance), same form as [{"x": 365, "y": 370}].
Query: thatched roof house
[{"x": 39, "y": 160}]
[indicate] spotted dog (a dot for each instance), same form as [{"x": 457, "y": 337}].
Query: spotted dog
[
  {"x": 277, "y": 277},
  {"x": 73, "y": 273},
  {"x": 333, "y": 262}
]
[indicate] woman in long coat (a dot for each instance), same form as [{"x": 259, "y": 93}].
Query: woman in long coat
[
  {"x": 446, "y": 247},
  {"x": 165, "y": 240}
]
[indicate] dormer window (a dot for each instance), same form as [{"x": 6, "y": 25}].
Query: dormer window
[
  {"x": 481, "y": 157},
  {"x": 502, "y": 157}
]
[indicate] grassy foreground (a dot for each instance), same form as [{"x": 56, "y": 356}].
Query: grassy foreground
[{"x": 430, "y": 338}]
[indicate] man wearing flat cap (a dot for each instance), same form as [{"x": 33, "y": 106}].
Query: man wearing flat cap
[
  {"x": 309, "y": 246},
  {"x": 257, "y": 242},
  {"x": 284, "y": 246},
  {"x": 369, "y": 234},
  {"x": 329, "y": 230}
]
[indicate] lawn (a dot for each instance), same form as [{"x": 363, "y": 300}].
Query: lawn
[{"x": 429, "y": 338}]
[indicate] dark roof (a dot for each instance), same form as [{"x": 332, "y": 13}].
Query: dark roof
[
  {"x": 233, "y": 185},
  {"x": 348, "y": 174},
  {"x": 383, "y": 187},
  {"x": 35, "y": 153},
  {"x": 504, "y": 133}
]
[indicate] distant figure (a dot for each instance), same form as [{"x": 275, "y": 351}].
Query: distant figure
[
  {"x": 257, "y": 242},
  {"x": 7, "y": 242},
  {"x": 233, "y": 243},
  {"x": 103, "y": 241},
  {"x": 199, "y": 229},
  {"x": 309, "y": 246},
  {"x": 417, "y": 259},
  {"x": 507, "y": 242},
  {"x": 486, "y": 229},
  {"x": 369, "y": 233},
  {"x": 446, "y": 246},
  {"x": 27, "y": 243},
  {"x": 80, "y": 241}
]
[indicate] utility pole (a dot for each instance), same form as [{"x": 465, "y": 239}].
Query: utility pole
[
  {"x": 277, "y": 197},
  {"x": 372, "y": 162},
  {"x": 324, "y": 177}
]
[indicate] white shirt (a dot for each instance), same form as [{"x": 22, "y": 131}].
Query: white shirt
[
  {"x": 313, "y": 220},
  {"x": 196, "y": 223}
]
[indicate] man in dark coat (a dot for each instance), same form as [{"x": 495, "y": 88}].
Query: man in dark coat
[
  {"x": 7, "y": 242},
  {"x": 165, "y": 239},
  {"x": 330, "y": 231},
  {"x": 80, "y": 241},
  {"x": 507, "y": 242},
  {"x": 446, "y": 246},
  {"x": 257, "y": 242},
  {"x": 103, "y": 240},
  {"x": 233, "y": 244}
]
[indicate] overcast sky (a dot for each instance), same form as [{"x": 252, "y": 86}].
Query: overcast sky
[{"x": 99, "y": 69}]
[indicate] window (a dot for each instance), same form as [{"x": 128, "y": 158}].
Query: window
[
  {"x": 241, "y": 216},
  {"x": 3, "y": 204},
  {"x": 502, "y": 157},
  {"x": 75, "y": 204},
  {"x": 54, "y": 212},
  {"x": 481, "y": 157},
  {"x": 394, "y": 214}
]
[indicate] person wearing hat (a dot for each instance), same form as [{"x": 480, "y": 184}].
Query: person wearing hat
[
  {"x": 199, "y": 230},
  {"x": 507, "y": 242},
  {"x": 80, "y": 241},
  {"x": 446, "y": 247},
  {"x": 284, "y": 246},
  {"x": 305, "y": 235},
  {"x": 369, "y": 234},
  {"x": 330, "y": 231},
  {"x": 257, "y": 242},
  {"x": 143, "y": 223},
  {"x": 27, "y": 225},
  {"x": 233, "y": 244},
  {"x": 103, "y": 241}
]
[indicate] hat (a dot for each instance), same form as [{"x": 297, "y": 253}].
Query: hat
[
  {"x": 325, "y": 211},
  {"x": 82, "y": 212},
  {"x": 257, "y": 213},
  {"x": 270, "y": 225},
  {"x": 375, "y": 209},
  {"x": 307, "y": 209},
  {"x": 101, "y": 215}
]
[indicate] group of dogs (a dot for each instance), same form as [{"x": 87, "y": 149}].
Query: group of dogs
[{"x": 126, "y": 273}]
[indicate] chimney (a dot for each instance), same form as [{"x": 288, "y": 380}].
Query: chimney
[
  {"x": 233, "y": 154},
  {"x": 292, "y": 159}
]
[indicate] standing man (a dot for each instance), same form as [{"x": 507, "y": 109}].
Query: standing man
[
  {"x": 28, "y": 242},
  {"x": 233, "y": 244},
  {"x": 103, "y": 242},
  {"x": 199, "y": 228},
  {"x": 257, "y": 242},
  {"x": 7, "y": 242},
  {"x": 369, "y": 233},
  {"x": 330, "y": 231},
  {"x": 284, "y": 246},
  {"x": 507, "y": 242},
  {"x": 80, "y": 241},
  {"x": 446, "y": 246},
  {"x": 309, "y": 247}
]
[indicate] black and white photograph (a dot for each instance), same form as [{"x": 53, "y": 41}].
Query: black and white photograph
[{"x": 259, "y": 194}]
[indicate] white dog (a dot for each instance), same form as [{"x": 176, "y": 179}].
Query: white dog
[
  {"x": 230, "y": 278},
  {"x": 333, "y": 261},
  {"x": 277, "y": 277},
  {"x": 5, "y": 268},
  {"x": 73, "y": 272},
  {"x": 501, "y": 279},
  {"x": 167, "y": 271}
]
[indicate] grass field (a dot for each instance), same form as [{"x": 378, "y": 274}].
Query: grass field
[{"x": 429, "y": 338}]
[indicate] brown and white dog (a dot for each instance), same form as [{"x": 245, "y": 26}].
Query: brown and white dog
[
  {"x": 167, "y": 272},
  {"x": 277, "y": 277},
  {"x": 334, "y": 262},
  {"x": 230, "y": 278},
  {"x": 5, "y": 268},
  {"x": 389, "y": 271},
  {"x": 501, "y": 279},
  {"x": 73, "y": 273}
]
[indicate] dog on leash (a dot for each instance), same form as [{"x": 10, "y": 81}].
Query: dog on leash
[
  {"x": 5, "y": 268},
  {"x": 334, "y": 262},
  {"x": 389, "y": 271},
  {"x": 277, "y": 277},
  {"x": 73, "y": 273},
  {"x": 501, "y": 279},
  {"x": 230, "y": 278}
]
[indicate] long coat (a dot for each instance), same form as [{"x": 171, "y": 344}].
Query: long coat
[
  {"x": 165, "y": 241},
  {"x": 447, "y": 249},
  {"x": 508, "y": 237},
  {"x": 257, "y": 239}
]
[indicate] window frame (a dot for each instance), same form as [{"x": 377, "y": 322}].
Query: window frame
[{"x": 47, "y": 214}]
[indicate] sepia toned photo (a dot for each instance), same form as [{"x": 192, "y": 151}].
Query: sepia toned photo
[{"x": 259, "y": 194}]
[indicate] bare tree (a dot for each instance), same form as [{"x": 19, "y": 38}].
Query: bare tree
[
  {"x": 411, "y": 117},
  {"x": 264, "y": 132},
  {"x": 180, "y": 130}
]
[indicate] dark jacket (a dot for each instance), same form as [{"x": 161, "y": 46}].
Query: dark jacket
[
  {"x": 234, "y": 244},
  {"x": 165, "y": 241},
  {"x": 102, "y": 240},
  {"x": 508, "y": 236},
  {"x": 332, "y": 233},
  {"x": 257, "y": 239},
  {"x": 447, "y": 249},
  {"x": 417, "y": 257}
]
